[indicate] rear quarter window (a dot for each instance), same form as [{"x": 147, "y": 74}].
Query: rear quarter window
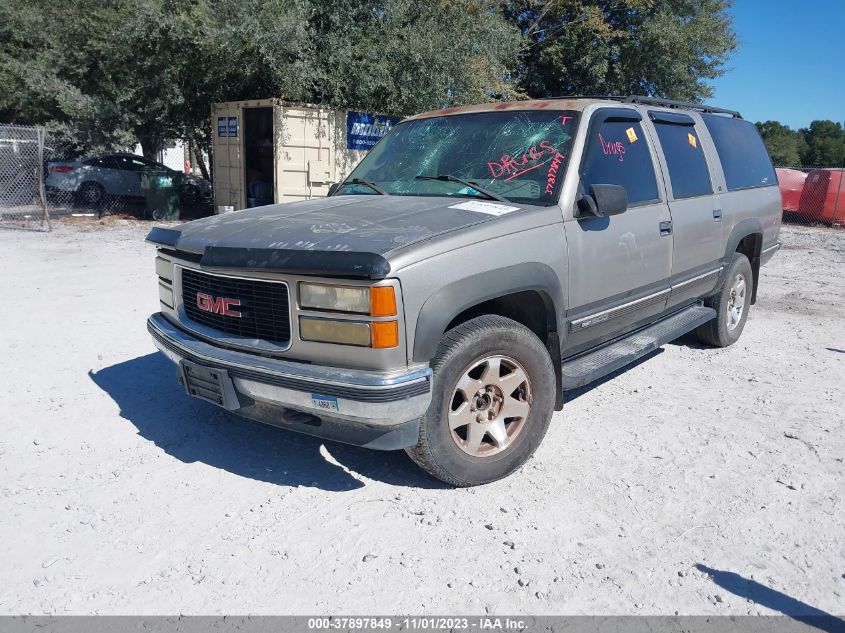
[{"x": 741, "y": 151}]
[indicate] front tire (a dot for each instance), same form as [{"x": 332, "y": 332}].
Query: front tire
[
  {"x": 731, "y": 303},
  {"x": 92, "y": 194},
  {"x": 493, "y": 396}
]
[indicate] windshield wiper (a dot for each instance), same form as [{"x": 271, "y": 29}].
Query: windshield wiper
[
  {"x": 368, "y": 183},
  {"x": 469, "y": 183}
]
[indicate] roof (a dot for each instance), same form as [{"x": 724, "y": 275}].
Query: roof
[{"x": 574, "y": 103}]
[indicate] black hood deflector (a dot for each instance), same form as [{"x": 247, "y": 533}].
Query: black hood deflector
[{"x": 326, "y": 263}]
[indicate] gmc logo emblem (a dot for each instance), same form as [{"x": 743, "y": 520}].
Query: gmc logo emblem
[{"x": 218, "y": 305}]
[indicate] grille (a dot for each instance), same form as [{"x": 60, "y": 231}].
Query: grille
[{"x": 263, "y": 307}]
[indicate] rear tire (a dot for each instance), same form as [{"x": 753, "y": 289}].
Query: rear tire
[
  {"x": 493, "y": 394},
  {"x": 731, "y": 302}
]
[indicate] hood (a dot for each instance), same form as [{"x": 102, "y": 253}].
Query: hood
[{"x": 342, "y": 235}]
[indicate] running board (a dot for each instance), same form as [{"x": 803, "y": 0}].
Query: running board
[{"x": 590, "y": 366}]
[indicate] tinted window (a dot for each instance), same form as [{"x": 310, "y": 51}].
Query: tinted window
[
  {"x": 107, "y": 162},
  {"x": 618, "y": 155},
  {"x": 685, "y": 160},
  {"x": 741, "y": 151}
]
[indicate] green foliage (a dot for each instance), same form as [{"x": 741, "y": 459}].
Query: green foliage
[
  {"x": 664, "y": 48},
  {"x": 786, "y": 146},
  {"x": 825, "y": 144},
  {"x": 108, "y": 73},
  {"x": 820, "y": 145},
  {"x": 405, "y": 56}
]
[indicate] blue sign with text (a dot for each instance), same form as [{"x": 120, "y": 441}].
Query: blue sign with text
[
  {"x": 227, "y": 126},
  {"x": 365, "y": 130}
]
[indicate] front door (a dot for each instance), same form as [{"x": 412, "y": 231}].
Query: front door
[{"x": 619, "y": 266}]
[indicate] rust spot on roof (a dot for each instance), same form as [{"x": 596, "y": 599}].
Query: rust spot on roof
[{"x": 532, "y": 104}]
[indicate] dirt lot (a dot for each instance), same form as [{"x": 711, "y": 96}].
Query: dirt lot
[{"x": 700, "y": 481}]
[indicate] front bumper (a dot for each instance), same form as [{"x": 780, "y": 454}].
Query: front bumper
[{"x": 367, "y": 408}]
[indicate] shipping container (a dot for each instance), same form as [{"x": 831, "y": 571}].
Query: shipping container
[{"x": 268, "y": 151}]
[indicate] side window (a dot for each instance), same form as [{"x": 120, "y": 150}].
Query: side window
[
  {"x": 684, "y": 159},
  {"x": 617, "y": 154},
  {"x": 741, "y": 151},
  {"x": 107, "y": 162}
]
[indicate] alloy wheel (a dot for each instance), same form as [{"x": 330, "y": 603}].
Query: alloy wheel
[{"x": 489, "y": 406}]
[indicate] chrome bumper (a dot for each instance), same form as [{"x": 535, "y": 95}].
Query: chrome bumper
[{"x": 362, "y": 407}]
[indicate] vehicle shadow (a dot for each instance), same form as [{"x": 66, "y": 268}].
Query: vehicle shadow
[
  {"x": 774, "y": 600},
  {"x": 573, "y": 394},
  {"x": 149, "y": 397},
  {"x": 690, "y": 340}
]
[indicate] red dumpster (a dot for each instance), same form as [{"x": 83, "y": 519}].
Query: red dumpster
[
  {"x": 791, "y": 182},
  {"x": 823, "y": 197}
]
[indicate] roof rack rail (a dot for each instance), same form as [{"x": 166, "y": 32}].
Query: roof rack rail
[{"x": 656, "y": 101}]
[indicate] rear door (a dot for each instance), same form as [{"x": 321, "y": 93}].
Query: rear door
[
  {"x": 619, "y": 266},
  {"x": 696, "y": 215},
  {"x": 110, "y": 174}
]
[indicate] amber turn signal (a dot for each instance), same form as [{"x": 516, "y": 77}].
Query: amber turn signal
[
  {"x": 382, "y": 301},
  {"x": 384, "y": 334}
]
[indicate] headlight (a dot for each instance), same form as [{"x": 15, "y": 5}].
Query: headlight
[
  {"x": 376, "y": 334},
  {"x": 329, "y": 331},
  {"x": 380, "y": 301}
]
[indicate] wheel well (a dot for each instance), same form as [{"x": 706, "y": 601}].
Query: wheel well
[
  {"x": 751, "y": 246},
  {"x": 528, "y": 307},
  {"x": 535, "y": 310}
]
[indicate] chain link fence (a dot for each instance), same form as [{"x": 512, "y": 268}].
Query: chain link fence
[
  {"x": 81, "y": 181},
  {"x": 813, "y": 196},
  {"x": 44, "y": 177},
  {"x": 22, "y": 196}
]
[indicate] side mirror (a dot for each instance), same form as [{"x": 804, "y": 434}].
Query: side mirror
[
  {"x": 333, "y": 188},
  {"x": 603, "y": 201}
]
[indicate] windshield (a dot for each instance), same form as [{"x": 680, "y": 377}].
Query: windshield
[{"x": 517, "y": 155}]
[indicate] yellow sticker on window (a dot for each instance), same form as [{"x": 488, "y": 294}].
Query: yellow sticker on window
[
  {"x": 632, "y": 135},
  {"x": 692, "y": 140}
]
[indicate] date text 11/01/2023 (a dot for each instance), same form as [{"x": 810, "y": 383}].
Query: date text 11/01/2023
[{"x": 421, "y": 623}]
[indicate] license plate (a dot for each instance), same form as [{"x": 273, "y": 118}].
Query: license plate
[
  {"x": 209, "y": 383},
  {"x": 326, "y": 403}
]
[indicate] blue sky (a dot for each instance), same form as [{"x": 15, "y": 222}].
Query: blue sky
[{"x": 790, "y": 66}]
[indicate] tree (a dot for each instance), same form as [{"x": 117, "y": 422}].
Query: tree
[
  {"x": 110, "y": 73},
  {"x": 786, "y": 146},
  {"x": 825, "y": 144},
  {"x": 664, "y": 48},
  {"x": 404, "y": 56}
]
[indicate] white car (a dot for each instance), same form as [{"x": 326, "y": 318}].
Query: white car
[{"x": 92, "y": 179}]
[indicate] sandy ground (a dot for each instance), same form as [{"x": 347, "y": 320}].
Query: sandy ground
[{"x": 700, "y": 481}]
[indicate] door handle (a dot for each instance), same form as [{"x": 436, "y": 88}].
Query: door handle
[
  {"x": 665, "y": 228},
  {"x": 717, "y": 215}
]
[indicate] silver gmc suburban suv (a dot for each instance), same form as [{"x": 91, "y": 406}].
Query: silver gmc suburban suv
[{"x": 476, "y": 265}]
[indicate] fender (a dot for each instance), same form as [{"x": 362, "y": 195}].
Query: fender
[
  {"x": 448, "y": 302},
  {"x": 749, "y": 226}
]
